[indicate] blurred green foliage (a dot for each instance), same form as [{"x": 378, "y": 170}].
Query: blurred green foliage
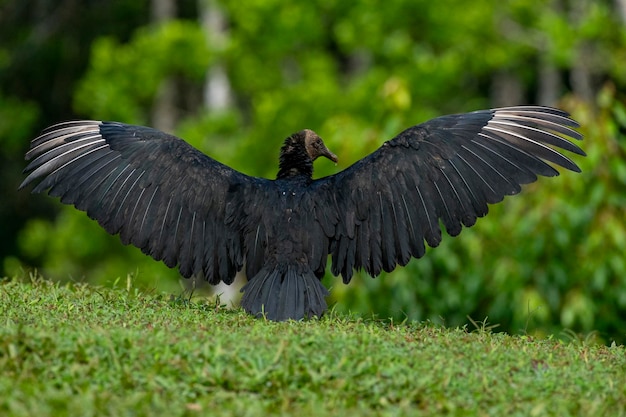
[
  {"x": 122, "y": 79},
  {"x": 358, "y": 73}
]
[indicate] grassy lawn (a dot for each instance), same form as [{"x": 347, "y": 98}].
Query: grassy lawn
[{"x": 89, "y": 351}]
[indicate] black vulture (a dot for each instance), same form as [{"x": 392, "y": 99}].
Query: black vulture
[{"x": 182, "y": 207}]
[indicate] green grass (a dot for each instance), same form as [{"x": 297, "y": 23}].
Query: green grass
[{"x": 89, "y": 351}]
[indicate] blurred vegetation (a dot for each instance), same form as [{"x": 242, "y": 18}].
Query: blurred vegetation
[{"x": 357, "y": 73}]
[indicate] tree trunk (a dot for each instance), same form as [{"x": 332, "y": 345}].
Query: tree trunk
[
  {"x": 549, "y": 82},
  {"x": 506, "y": 89},
  {"x": 620, "y": 5},
  {"x": 217, "y": 90},
  {"x": 164, "y": 114}
]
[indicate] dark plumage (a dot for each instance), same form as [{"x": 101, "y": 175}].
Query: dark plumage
[{"x": 180, "y": 206}]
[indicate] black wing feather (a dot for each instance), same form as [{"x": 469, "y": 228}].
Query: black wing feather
[
  {"x": 448, "y": 169},
  {"x": 155, "y": 190}
]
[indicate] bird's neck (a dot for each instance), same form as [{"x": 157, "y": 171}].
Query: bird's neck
[{"x": 294, "y": 161}]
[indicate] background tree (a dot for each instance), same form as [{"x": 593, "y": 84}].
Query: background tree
[{"x": 357, "y": 73}]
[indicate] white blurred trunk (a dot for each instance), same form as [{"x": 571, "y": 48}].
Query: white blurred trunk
[
  {"x": 549, "y": 83},
  {"x": 581, "y": 75},
  {"x": 506, "y": 89},
  {"x": 217, "y": 90},
  {"x": 620, "y": 5},
  {"x": 162, "y": 10},
  {"x": 164, "y": 112}
]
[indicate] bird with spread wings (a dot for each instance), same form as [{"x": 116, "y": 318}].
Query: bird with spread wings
[{"x": 181, "y": 206}]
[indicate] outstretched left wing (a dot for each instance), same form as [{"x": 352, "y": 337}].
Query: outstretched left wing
[{"x": 158, "y": 192}]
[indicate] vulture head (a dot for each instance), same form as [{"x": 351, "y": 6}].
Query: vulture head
[{"x": 298, "y": 153}]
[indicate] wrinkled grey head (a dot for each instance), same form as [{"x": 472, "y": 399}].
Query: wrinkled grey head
[
  {"x": 315, "y": 146},
  {"x": 298, "y": 153}
]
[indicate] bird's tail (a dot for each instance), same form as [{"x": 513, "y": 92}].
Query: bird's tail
[{"x": 284, "y": 292}]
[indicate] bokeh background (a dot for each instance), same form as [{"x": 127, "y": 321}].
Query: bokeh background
[{"x": 234, "y": 78}]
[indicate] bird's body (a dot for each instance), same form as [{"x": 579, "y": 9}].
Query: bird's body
[{"x": 181, "y": 206}]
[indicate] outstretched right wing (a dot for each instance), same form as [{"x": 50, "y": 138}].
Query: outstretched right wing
[
  {"x": 158, "y": 192},
  {"x": 382, "y": 209}
]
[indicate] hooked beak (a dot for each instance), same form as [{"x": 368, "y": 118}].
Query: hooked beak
[{"x": 328, "y": 154}]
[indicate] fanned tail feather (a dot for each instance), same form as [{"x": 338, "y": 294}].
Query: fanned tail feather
[{"x": 284, "y": 292}]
